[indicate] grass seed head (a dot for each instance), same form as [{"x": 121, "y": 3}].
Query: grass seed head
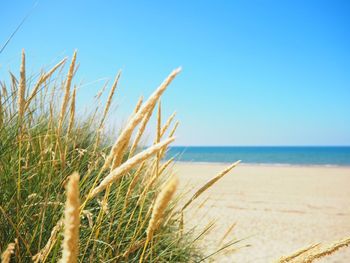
[
  {"x": 115, "y": 174},
  {"x": 71, "y": 221},
  {"x": 135, "y": 120},
  {"x": 6, "y": 255},
  {"x": 22, "y": 87},
  {"x": 160, "y": 205}
]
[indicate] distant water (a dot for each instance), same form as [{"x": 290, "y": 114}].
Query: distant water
[{"x": 332, "y": 156}]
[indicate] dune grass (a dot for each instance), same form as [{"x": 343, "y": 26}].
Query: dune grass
[{"x": 45, "y": 148}]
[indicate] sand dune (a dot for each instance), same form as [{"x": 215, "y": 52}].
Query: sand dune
[{"x": 279, "y": 209}]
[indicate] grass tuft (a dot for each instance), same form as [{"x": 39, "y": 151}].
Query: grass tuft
[{"x": 45, "y": 144}]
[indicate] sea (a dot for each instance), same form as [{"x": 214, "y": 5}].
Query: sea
[{"x": 291, "y": 155}]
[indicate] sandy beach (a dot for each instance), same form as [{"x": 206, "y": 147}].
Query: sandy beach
[{"x": 279, "y": 209}]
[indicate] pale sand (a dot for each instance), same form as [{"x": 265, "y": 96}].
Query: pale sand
[{"x": 279, "y": 209}]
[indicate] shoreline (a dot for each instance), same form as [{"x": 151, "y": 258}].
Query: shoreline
[{"x": 264, "y": 164}]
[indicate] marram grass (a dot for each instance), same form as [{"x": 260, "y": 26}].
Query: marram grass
[{"x": 111, "y": 212}]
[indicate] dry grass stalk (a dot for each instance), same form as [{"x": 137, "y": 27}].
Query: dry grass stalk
[
  {"x": 135, "y": 120},
  {"x": 66, "y": 93},
  {"x": 209, "y": 184},
  {"x": 72, "y": 112},
  {"x": 42, "y": 79},
  {"x": 167, "y": 124},
  {"x": 320, "y": 253},
  {"x": 203, "y": 203},
  {"x": 3, "y": 96},
  {"x": 181, "y": 225},
  {"x": 110, "y": 98},
  {"x": 99, "y": 130},
  {"x": 138, "y": 105},
  {"x": 100, "y": 92},
  {"x": 13, "y": 93},
  {"x": 159, "y": 127},
  {"x": 172, "y": 132},
  {"x": 45, "y": 251},
  {"x": 4, "y": 91},
  {"x": 200, "y": 206},
  {"x": 6, "y": 255},
  {"x": 71, "y": 221},
  {"x": 159, "y": 121},
  {"x": 160, "y": 205},
  {"x": 207, "y": 230},
  {"x": 165, "y": 165},
  {"x": 228, "y": 231},
  {"x": 295, "y": 255},
  {"x": 22, "y": 87},
  {"x": 129, "y": 164}
]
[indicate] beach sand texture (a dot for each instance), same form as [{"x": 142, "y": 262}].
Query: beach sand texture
[{"x": 280, "y": 209}]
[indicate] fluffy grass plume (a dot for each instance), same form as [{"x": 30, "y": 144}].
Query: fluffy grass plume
[
  {"x": 22, "y": 87},
  {"x": 71, "y": 221},
  {"x": 160, "y": 205},
  {"x": 6, "y": 255}
]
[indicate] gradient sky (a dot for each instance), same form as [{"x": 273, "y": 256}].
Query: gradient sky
[{"x": 254, "y": 72}]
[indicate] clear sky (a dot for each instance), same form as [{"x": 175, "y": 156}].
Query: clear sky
[{"x": 254, "y": 72}]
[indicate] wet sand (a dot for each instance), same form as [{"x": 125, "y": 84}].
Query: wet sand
[{"x": 279, "y": 209}]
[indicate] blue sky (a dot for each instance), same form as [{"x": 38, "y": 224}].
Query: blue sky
[{"x": 254, "y": 72}]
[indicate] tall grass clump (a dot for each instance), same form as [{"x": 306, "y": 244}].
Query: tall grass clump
[{"x": 70, "y": 191}]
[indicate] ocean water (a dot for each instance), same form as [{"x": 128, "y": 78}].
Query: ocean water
[{"x": 329, "y": 156}]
